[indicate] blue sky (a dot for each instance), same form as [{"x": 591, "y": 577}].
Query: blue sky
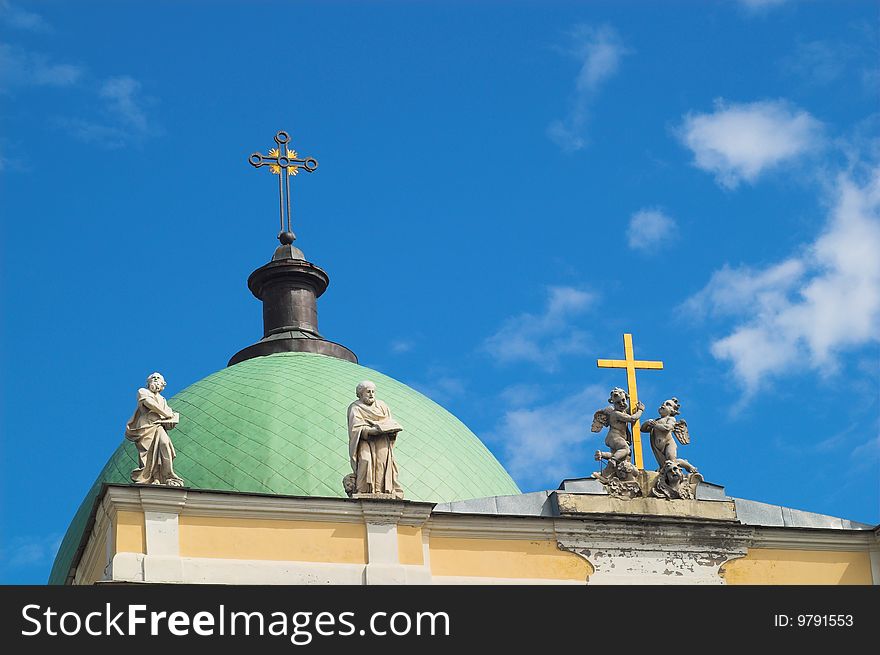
[{"x": 503, "y": 191}]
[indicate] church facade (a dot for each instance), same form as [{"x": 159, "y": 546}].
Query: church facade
[
  {"x": 271, "y": 484},
  {"x": 168, "y": 535}
]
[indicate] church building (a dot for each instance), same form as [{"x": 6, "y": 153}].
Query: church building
[{"x": 275, "y": 481}]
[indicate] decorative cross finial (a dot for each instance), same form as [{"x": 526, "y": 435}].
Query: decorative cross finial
[
  {"x": 284, "y": 165},
  {"x": 631, "y": 364}
]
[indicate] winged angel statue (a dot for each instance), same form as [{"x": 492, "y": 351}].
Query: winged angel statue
[
  {"x": 617, "y": 418},
  {"x": 619, "y": 474},
  {"x": 662, "y": 430}
]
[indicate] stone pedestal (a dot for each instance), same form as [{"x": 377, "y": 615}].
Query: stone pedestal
[
  {"x": 568, "y": 504},
  {"x": 375, "y": 497}
]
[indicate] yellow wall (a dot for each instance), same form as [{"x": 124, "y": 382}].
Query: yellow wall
[
  {"x": 131, "y": 534},
  {"x": 304, "y": 541},
  {"x": 505, "y": 558},
  {"x": 779, "y": 567},
  {"x": 345, "y": 543},
  {"x": 409, "y": 545}
]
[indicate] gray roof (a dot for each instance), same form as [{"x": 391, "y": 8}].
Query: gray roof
[{"x": 748, "y": 512}]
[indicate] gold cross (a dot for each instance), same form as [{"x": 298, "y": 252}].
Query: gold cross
[
  {"x": 283, "y": 164},
  {"x": 631, "y": 364}
]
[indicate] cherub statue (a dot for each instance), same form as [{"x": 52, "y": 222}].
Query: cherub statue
[
  {"x": 662, "y": 430},
  {"x": 617, "y": 418}
]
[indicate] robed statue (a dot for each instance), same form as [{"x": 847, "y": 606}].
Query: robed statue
[
  {"x": 372, "y": 432},
  {"x": 148, "y": 429}
]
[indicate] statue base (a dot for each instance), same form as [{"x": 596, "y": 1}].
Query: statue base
[
  {"x": 669, "y": 483},
  {"x": 569, "y": 504},
  {"x": 376, "y": 497}
]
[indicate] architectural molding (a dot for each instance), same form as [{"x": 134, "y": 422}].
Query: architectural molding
[
  {"x": 93, "y": 551},
  {"x": 416, "y": 514},
  {"x": 162, "y": 532},
  {"x": 158, "y": 498},
  {"x": 334, "y": 510},
  {"x": 686, "y": 534},
  {"x": 874, "y": 553},
  {"x": 488, "y": 526},
  {"x": 473, "y": 580},
  {"x": 134, "y": 567},
  {"x": 620, "y": 548},
  {"x": 813, "y": 539},
  {"x": 653, "y": 550},
  {"x": 381, "y": 511}
]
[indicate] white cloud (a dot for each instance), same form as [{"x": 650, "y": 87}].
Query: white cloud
[
  {"x": 739, "y": 142},
  {"x": 108, "y": 136},
  {"x": 808, "y": 309},
  {"x": 599, "y": 50},
  {"x": 125, "y": 119},
  {"x": 440, "y": 387},
  {"x": 820, "y": 62},
  {"x": 868, "y": 452},
  {"x": 521, "y": 395},
  {"x": 400, "y": 346},
  {"x": 30, "y": 550},
  {"x": 731, "y": 291},
  {"x": 19, "y": 67},
  {"x": 121, "y": 96},
  {"x": 543, "y": 338},
  {"x": 22, "y": 19},
  {"x": 544, "y": 444},
  {"x": 649, "y": 228}
]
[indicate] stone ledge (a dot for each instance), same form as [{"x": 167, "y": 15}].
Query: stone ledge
[{"x": 573, "y": 504}]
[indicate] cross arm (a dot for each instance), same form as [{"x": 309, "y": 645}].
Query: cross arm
[
  {"x": 256, "y": 160},
  {"x": 622, "y": 363}
]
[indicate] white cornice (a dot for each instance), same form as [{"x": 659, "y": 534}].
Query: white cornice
[
  {"x": 191, "y": 502},
  {"x": 268, "y": 507},
  {"x": 686, "y": 535},
  {"x": 813, "y": 539},
  {"x": 490, "y": 527},
  {"x": 581, "y": 531},
  {"x": 416, "y": 514}
]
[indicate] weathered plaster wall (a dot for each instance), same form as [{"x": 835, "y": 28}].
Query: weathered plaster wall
[
  {"x": 272, "y": 539},
  {"x": 409, "y": 545},
  {"x": 506, "y": 558},
  {"x": 131, "y": 534},
  {"x": 775, "y": 566}
]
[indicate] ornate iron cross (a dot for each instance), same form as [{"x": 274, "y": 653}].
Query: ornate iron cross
[
  {"x": 631, "y": 364},
  {"x": 283, "y": 162}
]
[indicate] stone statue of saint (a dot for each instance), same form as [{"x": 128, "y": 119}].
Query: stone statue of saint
[
  {"x": 148, "y": 429},
  {"x": 662, "y": 430},
  {"x": 617, "y": 418},
  {"x": 371, "y": 435}
]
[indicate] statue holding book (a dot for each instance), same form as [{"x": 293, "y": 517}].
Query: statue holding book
[
  {"x": 148, "y": 429},
  {"x": 372, "y": 432}
]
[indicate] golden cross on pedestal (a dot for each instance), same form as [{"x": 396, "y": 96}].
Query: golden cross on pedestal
[
  {"x": 283, "y": 164},
  {"x": 631, "y": 364}
]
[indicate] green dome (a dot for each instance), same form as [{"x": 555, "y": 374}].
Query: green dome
[{"x": 277, "y": 425}]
